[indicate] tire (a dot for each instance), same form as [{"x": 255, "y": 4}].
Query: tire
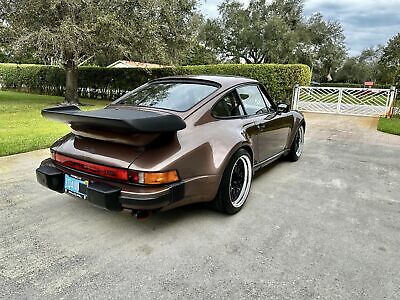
[
  {"x": 297, "y": 146},
  {"x": 235, "y": 183}
]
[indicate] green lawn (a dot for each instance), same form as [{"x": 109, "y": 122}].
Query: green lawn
[
  {"x": 389, "y": 125},
  {"x": 22, "y": 127}
]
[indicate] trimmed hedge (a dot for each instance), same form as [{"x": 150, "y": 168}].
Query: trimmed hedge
[
  {"x": 44, "y": 79},
  {"x": 277, "y": 78},
  {"x": 109, "y": 83}
]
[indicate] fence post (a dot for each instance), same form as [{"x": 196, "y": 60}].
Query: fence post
[
  {"x": 340, "y": 96},
  {"x": 295, "y": 97},
  {"x": 390, "y": 105}
]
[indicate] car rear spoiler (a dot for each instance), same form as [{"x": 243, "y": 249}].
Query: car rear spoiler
[{"x": 124, "y": 120}]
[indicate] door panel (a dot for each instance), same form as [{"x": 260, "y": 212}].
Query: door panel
[
  {"x": 270, "y": 130},
  {"x": 273, "y": 134},
  {"x": 251, "y": 131}
]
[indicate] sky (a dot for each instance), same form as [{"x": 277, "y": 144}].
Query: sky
[{"x": 365, "y": 22}]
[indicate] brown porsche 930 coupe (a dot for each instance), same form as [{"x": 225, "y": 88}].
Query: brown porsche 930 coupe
[{"x": 172, "y": 142}]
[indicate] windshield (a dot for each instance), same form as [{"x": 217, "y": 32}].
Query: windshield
[{"x": 169, "y": 95}]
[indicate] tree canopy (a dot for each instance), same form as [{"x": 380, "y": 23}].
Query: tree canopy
[
  {"x": 361, "y": 68},
  {"x": 379, "y": 64},
  {"x": 69, "y": 32},
  {"x": 389, "y": 62},
  {"x": 277, "y": 31},
  {"x": 174, "y": 32}
]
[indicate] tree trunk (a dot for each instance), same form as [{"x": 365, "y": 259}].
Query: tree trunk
[{"x": 71, "y": 84}]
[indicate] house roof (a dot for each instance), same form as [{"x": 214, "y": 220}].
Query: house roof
[{"x": 133, "y": 64}]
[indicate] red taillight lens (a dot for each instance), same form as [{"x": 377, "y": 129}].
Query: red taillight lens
[
  {"x": 100, "y": 170},
  {"x": 133, "y": 176},
  {"x": 147, "y": 178}
]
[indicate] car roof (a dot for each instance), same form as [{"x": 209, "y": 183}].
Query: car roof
[{"x": 223, "y": 80}]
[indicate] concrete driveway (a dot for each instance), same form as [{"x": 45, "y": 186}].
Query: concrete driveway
[{"x": 327, "y": 226}]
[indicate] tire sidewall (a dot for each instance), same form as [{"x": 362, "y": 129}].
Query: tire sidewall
[
  {"x": 293, "y": 149},
  {"x": 223, "y": 199}
]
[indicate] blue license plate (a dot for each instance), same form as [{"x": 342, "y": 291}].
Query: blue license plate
[{"x": 76, "y": 186}]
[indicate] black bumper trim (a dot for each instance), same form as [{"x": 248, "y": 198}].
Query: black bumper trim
[
  {"x": 51, "y": 178},
  {"x": 105, "y": 195},
  {"x": 176, "y": 193}
]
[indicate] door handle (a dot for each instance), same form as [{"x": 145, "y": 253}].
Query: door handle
[{"x": 270, "y": 117}]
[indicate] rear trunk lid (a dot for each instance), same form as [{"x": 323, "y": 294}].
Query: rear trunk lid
[
  {"x": 111, "y": 136},
  {"x": 98, "y": 151}
]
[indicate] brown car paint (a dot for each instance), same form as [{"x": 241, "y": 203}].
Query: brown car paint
[{"x": 199, "y": 153}]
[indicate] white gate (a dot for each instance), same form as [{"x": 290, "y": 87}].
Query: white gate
[{"x": 349, "y": 101}]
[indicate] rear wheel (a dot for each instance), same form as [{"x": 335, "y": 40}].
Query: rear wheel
[
  {"x": 235, "y": 183},
  {"x": 297, "y": 146}
]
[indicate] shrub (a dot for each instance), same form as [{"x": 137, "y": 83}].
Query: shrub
[
  {"x": 109, "y": 83},
  {"x": 32, "y": 77}
]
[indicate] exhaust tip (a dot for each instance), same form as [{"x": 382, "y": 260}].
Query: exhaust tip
[{"x": 142, "y": 215}]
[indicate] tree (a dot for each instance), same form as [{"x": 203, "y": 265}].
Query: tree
[
  {"x": 5, "y": 37},
  {"x": 260, "y": 33},
  {"x": 69, "y": 32},
  {"x": 354, "y": 71},
  {"x": 200, "y": 55},
  {"x": 66, "y": 32},
  {"x": 323, "y": 46},
  {"x": 389, "y": 64},
  {"x": 291, "y": 11},
  {"x": 157, "y": 31},
  {"x": 276, "y": 32},
  {"x": 179, "y": 24},
  {"x": 361, "y": 68}
]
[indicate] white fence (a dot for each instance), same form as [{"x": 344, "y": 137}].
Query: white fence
[{"x": 349, "y": 101}]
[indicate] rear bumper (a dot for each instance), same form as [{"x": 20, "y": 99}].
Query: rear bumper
[{"x": 111, "y": 196}]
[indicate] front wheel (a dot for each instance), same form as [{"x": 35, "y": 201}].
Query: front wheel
[
  {"x": 297, "y": 146},
  {"x": 235, "y": 183}
]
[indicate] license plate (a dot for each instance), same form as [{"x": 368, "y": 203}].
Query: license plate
[{"x": 76, "y": 186}]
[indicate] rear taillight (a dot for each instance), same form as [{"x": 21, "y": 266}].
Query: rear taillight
[
  {"x": 160, "y": 177},
  {"x": 99, "y": 170},
  {"x": 153, "y": 177},
  {"x": 148, "y": 178}
]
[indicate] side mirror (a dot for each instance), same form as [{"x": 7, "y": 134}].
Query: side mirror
[
  {"x": 282, "y": 108},
  {"x": 244, "y": 96}
]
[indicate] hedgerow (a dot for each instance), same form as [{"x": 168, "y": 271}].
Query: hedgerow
[
  {"x": 277, "y": 78},
  {"x": 109, "y": 83}
]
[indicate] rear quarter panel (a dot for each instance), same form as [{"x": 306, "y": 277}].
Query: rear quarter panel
[
  {"x": 200, "y": 149},
  {"x": 298, "y": 119},
  {"x": 200, "y": 153}
]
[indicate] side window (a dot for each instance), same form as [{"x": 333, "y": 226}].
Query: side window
[
  {"x": 267, "y": 99},
  {"x": 228, "y": 106},
  {"x": 252, "y": 100}
]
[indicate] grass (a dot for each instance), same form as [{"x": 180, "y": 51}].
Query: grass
[
  {"x": 389, "y": 125},
  {"x": 22, "y": 127}
]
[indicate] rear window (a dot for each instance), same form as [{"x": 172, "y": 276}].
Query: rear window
[{"x": 169, "y": 95}]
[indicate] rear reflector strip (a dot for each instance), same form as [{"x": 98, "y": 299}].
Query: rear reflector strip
[{"x": 99, "y": 170}]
